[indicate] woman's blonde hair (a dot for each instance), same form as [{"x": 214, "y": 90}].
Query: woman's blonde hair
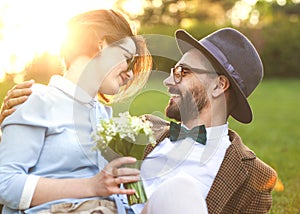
[{"x": 84, "y": 33}]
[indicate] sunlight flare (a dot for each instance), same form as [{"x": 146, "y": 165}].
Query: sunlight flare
[
  {"x": 32, "y": 27},
  {"x": 134, "y": 7}
]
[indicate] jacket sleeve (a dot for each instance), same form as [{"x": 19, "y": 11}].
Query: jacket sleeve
[{"x": 262, "y": 202}]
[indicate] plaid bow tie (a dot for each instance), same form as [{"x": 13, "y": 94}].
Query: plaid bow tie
[{"x": 178, "y": 132}]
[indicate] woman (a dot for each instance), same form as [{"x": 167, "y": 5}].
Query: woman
[{"x": 56, "y": 167}]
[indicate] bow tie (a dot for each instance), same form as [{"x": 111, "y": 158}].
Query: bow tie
[{"x": 178, "y": 132}]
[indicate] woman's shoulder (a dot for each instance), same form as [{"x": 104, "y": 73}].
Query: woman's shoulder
[
  {"x": 39, "y": 90},
  {"x": 37, "y": 97},
  {"x": 33, "y": 109},
  {"x": 44, "y": 94}
]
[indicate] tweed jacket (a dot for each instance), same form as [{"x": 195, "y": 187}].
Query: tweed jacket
[{"x": 243, "y": 183}]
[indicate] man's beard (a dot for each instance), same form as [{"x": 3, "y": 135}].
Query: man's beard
[{"x": 189, "y": 105}]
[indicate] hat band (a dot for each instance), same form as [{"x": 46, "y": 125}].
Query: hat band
[{"x": 223, "y": 60}]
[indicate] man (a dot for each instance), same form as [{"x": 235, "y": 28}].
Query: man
[{"x": 210, "y": 82}]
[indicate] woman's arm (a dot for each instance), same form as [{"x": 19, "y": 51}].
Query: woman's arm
[
  {"x": 105, "y": 183},
  {"x": 19, "y": 190}
]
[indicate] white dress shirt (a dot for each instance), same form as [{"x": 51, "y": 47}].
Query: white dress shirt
[{"x": 185, "y": 158}]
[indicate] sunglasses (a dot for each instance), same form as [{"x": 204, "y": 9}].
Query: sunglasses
[
  {"x": 180, "y": 71},
  {"x": 131, "y": 62}
]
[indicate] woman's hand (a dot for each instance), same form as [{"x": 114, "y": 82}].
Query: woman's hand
[
  {"x": 107, "y": 182},
  {"x": 15, "y": 96}
]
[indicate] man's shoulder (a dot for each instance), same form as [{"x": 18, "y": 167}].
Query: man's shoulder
[
  {"x": 160, "y": 126},
  {"x": 263, "y": 174}
]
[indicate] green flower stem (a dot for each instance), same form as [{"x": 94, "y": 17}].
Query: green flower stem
[{"x": 140, "y": 196}]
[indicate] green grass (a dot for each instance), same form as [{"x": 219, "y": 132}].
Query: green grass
[
  {"x": 275, "y": 137},
  {"x": 274, "y": 134}
]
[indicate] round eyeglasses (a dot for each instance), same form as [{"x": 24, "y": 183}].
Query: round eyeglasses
[
  {"x": 131, "y": 62},
  {"x": 180, "y": 71}
]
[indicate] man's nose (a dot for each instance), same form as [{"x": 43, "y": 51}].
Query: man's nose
[{"x": 169, "y": 80}]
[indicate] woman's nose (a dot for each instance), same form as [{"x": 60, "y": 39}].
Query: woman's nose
[{"x": 129, "y": 74}]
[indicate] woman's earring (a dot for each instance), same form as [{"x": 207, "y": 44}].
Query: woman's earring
[
  {"x": 100, "y": 49},
  {"x": 100, "y": 45}
]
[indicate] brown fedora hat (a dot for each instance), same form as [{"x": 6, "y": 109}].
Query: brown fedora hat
[{"x": 234, "y": 56}]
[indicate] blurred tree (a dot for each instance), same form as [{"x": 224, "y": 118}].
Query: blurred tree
[
  {"x": 219, "y": 12},
  {"x": 289, "y": 9},
  {"x": 178, "y": 12},
  {"x": 42, "y": 68},
  {"x": 201, "y": 17}
]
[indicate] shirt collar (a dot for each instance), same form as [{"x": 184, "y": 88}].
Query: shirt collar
[
  {"x": 217, "y": 132},
  {"x": 71, "y": 89}
]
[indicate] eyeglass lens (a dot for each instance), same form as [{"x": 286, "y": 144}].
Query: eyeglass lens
[{"x": 130, "y": 62}]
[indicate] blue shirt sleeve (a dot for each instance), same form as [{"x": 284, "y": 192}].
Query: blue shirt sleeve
[{"x": 23, "y": 135}]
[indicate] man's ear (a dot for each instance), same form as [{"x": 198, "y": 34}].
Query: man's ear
[{"x": 222, "y": 84}]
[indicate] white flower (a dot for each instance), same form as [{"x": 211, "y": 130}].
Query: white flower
[{"x": 124, "y": 126}]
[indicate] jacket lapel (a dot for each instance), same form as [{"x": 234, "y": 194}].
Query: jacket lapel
[
  {"x": 230, "y": 176},
  {"x": 160, "y": 129}
]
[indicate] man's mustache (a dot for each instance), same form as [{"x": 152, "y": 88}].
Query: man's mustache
[{"x": 174, "y": 91}]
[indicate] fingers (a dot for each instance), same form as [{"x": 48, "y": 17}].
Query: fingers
[
  {"x": 125, "y": 172},
  {"x": 126, "y": 179},
  {"x": 14, "y": 93},
  {"x": 116, "y": 170},
  {"x": 109, "y": 180},
  {"x": 8, "y": 105},
  {"x": 15, "y": 96},
  {"x": 18, "y": 94},
  {"x": 122, "y": 180},
  {"x": 5, "y": 113},
  {"x": 126, "y": 191},
  {"x": 26, "y": 84},
  {"x": 125, "y": 175},
  {"x": 118, "y": 162},
  {"x": 10, "y": 102}
]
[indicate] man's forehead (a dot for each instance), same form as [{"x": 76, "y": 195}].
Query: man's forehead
[{"x": 196, "y": 59}]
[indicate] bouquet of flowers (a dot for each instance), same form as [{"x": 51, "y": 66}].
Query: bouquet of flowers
[{"x": 125, "y": 136}]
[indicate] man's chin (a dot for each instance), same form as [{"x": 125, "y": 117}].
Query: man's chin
[{"x": 173, "y": 113}]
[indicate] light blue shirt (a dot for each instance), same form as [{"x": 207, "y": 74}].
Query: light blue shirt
[{"x": 50, "y": 136}]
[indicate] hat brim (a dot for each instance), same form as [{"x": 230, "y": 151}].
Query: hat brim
[{"x": 242, "y": 112}]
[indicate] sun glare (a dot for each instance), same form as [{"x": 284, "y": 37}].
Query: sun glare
[
  {"x": 32, "y": 27},
  {"x": 134, "y": 7},
  {"x": 243, "y": 10}
]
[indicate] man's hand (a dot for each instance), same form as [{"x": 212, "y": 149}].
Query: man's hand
[{"x": 15, "y": 96}]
